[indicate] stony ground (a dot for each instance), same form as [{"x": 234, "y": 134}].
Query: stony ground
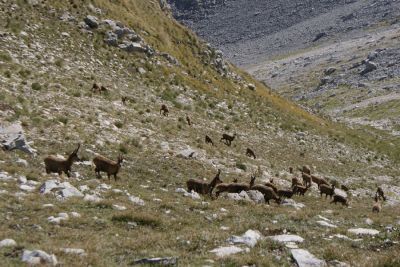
[{"x": 47, "y": 70}]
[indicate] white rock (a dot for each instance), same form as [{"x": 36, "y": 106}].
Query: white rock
[
  {"x": 22, "y": 162},
  {"x": 180, "y": 190},
  {"x": 4, "y": 176},
  {"x": 326, "y": 224},
  {"x": 118, "y": 207},
  {"x": 76, "y": 251},
  {"x": 250, "y": 238},
  {"x": 291, "y": 245},
  {"x": 346, "y": 237},
  {"x": 27, "y": 188},
  {"x": 136, "y": 200},
  {"x": 75, "y": 214},
  {"x": 287, "y": 238},
  {"x": 22, "y": 179},
  {"x": 7, "y": 243},
  {"x": 224, "y": 228},
  {"x": 226, "y": 251},
  {"x": 304, "y": 258},
  {"x": 193, "y": 195},
  {"x": 92, "y": 198},
  {"x": 238, "y": 197},
  {"x": 104, "y": 187},
  {"x": 363, "y": 231},
  {"x": 340, "y": 192},
  {"x": 290, "y": 202},
  {"x": 84, "y": 188},
  {"x": 256, "y": 196},
  {"x": 48, "y": 205},
  {"x": 63, "y": 215},
  {"x": 38, "y": 256},
  {"x": 369, "y": 221}
]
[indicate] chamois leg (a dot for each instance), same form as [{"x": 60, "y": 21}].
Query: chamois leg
[
  {"x": 47, "y": 171},
  {"x": 67, "y": 173},
  {"x": 108, "y": 176},
  {"x": 115, "y": 177},
  {"x": 59, "y": 173}
]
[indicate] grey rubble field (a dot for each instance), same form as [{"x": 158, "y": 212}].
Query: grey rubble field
[{"x": 50, "y": 57}]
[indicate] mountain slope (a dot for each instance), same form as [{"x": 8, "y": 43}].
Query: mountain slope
[{"x": 52, "y": 53}]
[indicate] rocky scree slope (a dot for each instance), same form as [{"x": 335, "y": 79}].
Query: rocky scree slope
[{"x": 53, "y": 52}]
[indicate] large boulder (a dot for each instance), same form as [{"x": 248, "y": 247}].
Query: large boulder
[
  {"x": 131, "y": 47},
  {"x": 12, "y": 137},
  {"x": 250, "y": 238},
  {"x": 111, "y": 38},
  {"x": 38, "y": 257},
  {"x": 304, "y": 258},
  {"x": 91, "y": 21}
]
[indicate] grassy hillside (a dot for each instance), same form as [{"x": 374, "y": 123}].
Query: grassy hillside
[{"x": 47, "y": 69}]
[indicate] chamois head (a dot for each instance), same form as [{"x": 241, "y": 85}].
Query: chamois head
[
  {"x": 74, "y": 155},
  {"x": 120, "y": 159}
]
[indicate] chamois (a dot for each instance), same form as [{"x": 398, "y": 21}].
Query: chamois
[
  {"x": 271, "y": 185},
  {"x": 379, "y": 193},
  {"x": 285, "y": 193},
  {"x": 124, "y": 99},
  {"x": 306, "y": 179},
  {"x": 228, "y": 138},
  {"x": 164, "y": 110},
  {"x": 327, "y": 190},
  {"x": 305, "y": 169},
  {"x": 268, "y": 193},
  {"x": 344, "y": 187},
  {"x": 295, "y": 181},
  {"x": 377, "y": 206},
  {"x": 319, "y": 181},
  {"x": 340, "y": 199},
  {"x": 57, "y": 165},
  {"x": 291, "y": 170},
  {"x": 208, "y": 140},
  {"x": 104, "y": 164},
  {"x": 203, "y": 187},
  {"x": 300, "y": 190},
  {"x": 250, "y": 153},
  {"x": 103, "y": 89},
  {"x": 189, "y": 122},
  {"x": 235, "y": 187},
  {"x": 95, "y": 88}
]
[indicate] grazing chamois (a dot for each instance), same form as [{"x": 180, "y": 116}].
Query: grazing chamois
[
  {"x": 305, "y": 169},
  {"x": 300, "y": 189},
  {"x": 228, "y": 138},
  {"x": 164, "y": 110},
  {"x": 203, "y": 187},
  {"x": 268, "y": 193},
  {"x": 319, "y": 181},
  {"x": 235, "y": 187},
  {"x": 327, "y": 190},
  {"x": 95, "y": 88},
  {"x": 103, "y": 89},
  {"x": 57, "y": 165},
  {"x": 291, "y": 170},
  {"x": 306, "y": 179},
  {"x": 108, "y": 166},
  {"x": 379, "y": 193},
  {"x": 285, "y": 193},
  {"x": 377, "y": 207},
  {"x": 189, "y": 122},
  {"x": 209, "y": 140},
  {"x": 340, "y": 199},
  {"x": 250, "y": 153},
  {"x": 344, "y": 188}
]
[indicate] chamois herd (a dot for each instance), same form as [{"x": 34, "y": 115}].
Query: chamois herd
[{"x": 269, "y": 189}]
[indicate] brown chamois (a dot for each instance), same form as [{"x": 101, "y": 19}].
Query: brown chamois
[
  {"x": 377, "y": 207},
  {"x": 108, "y": 166},
  {"x": 327, "y": 190},
  {"x": 291, "y": 170},
  {"x": 344, "y": 188},
  {"x": 271, "y": 185},
  {"x": 203, "y": 187},
  {"x": 306, "y": 179},
  {"x": 268, "y": 193},
  {"x": 208, "y": 140},
  {"x": 228, "y": 138},
  {"x": 285, "y": 193},
  {"x": 189, "y": 122},
  {"x": 164, "y": 110},
  {"x": 340, "y": 199},
  {"x": 295, "y": 181},
  {"x": 379, "y": 193},
  {"x": 319, "y": 181},
  {"x": 124, "y": 99},
  {"x": 300, "y": 189},
  {"x": 250, "y": 153},
  {"x": 235, "y": 187},
  {"x": 305, "y": 169},
  {"x": 57, "y": 165},
  {"x": 103, "y": 89},
  {"x": 95, "y": 88}
]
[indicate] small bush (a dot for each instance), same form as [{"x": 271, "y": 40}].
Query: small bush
[
  {"x": 36, "y": 86},
  {"x": 118, "y": 124}
]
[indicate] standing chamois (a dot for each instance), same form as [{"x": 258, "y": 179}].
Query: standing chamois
[
  {"x": 235, "y": 187},
  {"x": 164, "y": 110},
  {"x": 57, "y": 165},
  {"x": 228, "y": 138},
  {"x": 250, "y": 153},
  {"x": 208, "y": 140},
  {"x": 189, "y": 122},
  {"x": 104, "y": 164},
  {"x": 203, "y": 187},
  {"x": 379, "y": 193}
]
